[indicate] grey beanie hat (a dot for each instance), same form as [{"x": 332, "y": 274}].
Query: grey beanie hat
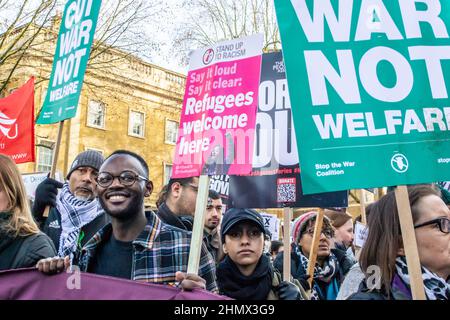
[{"x": 90, "y": 158}]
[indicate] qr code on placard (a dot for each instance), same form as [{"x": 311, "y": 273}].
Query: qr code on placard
[{"x": 286, "y": 190}]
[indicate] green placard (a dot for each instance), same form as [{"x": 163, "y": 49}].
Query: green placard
[
  {"x": 369, "y": 85},
  {"x": 75, "y": 38}
]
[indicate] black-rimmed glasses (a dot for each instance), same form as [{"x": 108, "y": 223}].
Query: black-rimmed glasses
[
  {"x": 444, "y": 224},
  {"x": 327, "y": 233},
  {"x": 126, "y": 178}
]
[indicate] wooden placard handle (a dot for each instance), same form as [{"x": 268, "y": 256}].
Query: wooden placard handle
[
  {"x": 315, "y": 246},
  {"x": 410, "y": 243},
  {"x": 287, "y": 243},
  {"x": 362, "y": 203},
  {"x": 199, "y": 222},
  {"x": 55, "y": 160}
]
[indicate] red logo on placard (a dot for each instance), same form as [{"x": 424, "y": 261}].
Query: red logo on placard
[
  {"x": 17, "y": 124},
  {"x": 208, "y": 56}
]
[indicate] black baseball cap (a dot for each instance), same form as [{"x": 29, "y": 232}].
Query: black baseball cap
[{"x": 235, "y": 215}]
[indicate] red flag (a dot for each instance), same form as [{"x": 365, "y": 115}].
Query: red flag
[{"x": 17, "y": 124}]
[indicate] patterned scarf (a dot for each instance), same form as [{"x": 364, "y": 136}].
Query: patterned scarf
[
  {"x": 436, "y": 288},
  {"x": 75, "y": 213},
  {"x": 323, "y": 274}
]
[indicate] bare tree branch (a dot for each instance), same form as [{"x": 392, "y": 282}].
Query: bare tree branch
[{"x": 210, "y": 21}]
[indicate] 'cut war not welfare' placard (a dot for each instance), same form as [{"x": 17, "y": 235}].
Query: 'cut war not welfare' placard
[
  {"x": 75, "y": 39},
  {"x": 219, "y": 109},
  {"x": 369, "y": 84}
]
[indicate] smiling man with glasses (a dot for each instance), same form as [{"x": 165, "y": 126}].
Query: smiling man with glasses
[{"x": 136, "y": 245}]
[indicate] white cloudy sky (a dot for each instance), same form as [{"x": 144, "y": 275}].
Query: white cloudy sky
[
  {"x": 175, "y": 13},
  {"x": 165, "y": 59}
]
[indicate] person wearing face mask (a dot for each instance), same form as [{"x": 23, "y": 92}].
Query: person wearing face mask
[{"x": 75, "y": 215}]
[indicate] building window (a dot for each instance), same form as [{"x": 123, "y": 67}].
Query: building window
[
  {"x": 167, "y": 173},
  {"x": 171, "y": 132},
  {"x": 137, "y": 124},
  {"x": 96, "y": 114},
  {"x": 44, "y": 159}
]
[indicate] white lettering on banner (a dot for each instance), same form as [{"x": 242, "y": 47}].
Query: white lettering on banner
[
  {"x": 369, "y": 77},
  {"x": 60, "y": 93},
  {"x": 68, "y": 67},
  {"x": 274, "y": 138},
  {"x": 75, "y": 12},
  {"x": 70, "y": 54},
  {"x": 340, "y": 26},
  {"x": 220, "y": 184},
  {"x": 72, "y": 39},
  {"x": 353, "y": 78},
  {"x": 274, "y": 95},
  {"x": 413, "y": 17},
  {"x": 366, "y": 26},
  {"x": 219, "y": 122},
  {"x": 432, "y": 57},
  {"x": 218, "y": 103},
  {"x": 320, "y": 71},
  {"x": 363, "y": 125},
  {"x": 314, "y": 27},
  {"x": 263, "y": 151}
]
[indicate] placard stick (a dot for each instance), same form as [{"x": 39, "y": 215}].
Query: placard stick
[
  {"x": 199, "y": 222},
  {"x": 55, "y": 160},
  {"x": 410, "y": 243},
  {"x": 362, "y": 203},
  {"x": 315, "y": 246},
  {"x": 287, "y": 243}
]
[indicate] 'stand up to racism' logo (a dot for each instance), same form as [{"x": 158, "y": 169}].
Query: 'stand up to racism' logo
[
  {"x": 6, "y": 124},
  {"x": 208, "y": 56}
]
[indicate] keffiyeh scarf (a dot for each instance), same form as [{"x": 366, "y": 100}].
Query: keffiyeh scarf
[
  {"x": 75, "y": 213},
  {"x": 436, "y": 288},
  {"x": 323, "y": 274}
]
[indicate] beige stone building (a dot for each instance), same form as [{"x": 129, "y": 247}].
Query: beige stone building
[{"x": 126, "y": 103}]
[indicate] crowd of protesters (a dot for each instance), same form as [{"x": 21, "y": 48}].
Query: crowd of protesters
[{"x": 97, "y": 221}]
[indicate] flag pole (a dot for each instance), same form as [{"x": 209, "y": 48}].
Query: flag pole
[{"x": 55, "y": 160}]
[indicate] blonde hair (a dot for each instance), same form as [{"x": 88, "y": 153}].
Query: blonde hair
[{"x": 21, "y": 222}]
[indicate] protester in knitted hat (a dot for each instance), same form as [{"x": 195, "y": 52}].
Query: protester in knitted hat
[
  {"x": 384, "y": 247},
  {"x": 328, "y": 272},
  {"x": 75, "y": 215},
  {"x": 246, "y": 273}
]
